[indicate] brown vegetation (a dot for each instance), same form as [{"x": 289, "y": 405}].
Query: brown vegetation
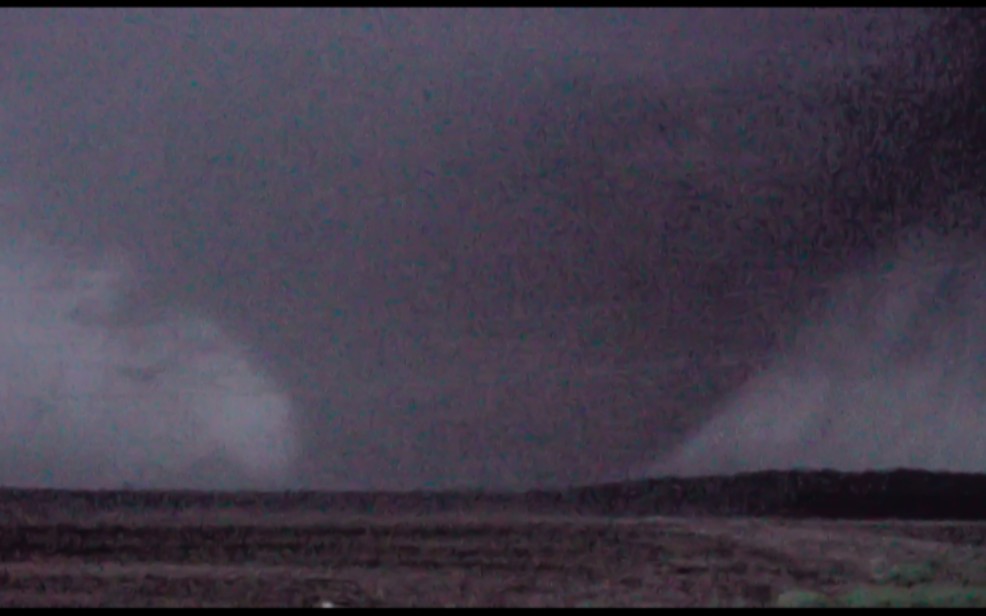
[{"x": 226, "y": 556}]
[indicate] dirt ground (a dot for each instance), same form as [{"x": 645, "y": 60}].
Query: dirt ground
[{"x": 237, "y": 557}]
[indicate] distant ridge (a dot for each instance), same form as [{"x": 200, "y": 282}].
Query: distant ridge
[{"x": 904, "y": 494}]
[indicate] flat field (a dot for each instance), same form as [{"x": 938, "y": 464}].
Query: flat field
[{"x": 124, "y": 549}]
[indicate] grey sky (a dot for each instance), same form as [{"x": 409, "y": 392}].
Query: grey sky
[{"x": 408, "y": 226}]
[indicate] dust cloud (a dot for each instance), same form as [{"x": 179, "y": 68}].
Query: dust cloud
[
  {"x": 92, "y": 400},
  {"x": 888, "y": 374}
]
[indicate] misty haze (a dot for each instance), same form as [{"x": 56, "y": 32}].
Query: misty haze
[{"x": 395, "y": 249}]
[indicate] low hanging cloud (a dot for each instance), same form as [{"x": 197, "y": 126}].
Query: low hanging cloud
[
  {"x": 92, "y": 400},
  {"x": 382, "y": 238},
  {"x": 892, "y": 375}
]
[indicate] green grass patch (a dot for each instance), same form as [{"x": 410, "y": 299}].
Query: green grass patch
[
  {"x": 804, "y": 598},
  {"x": 908, "y": 574},
  {"x": 929, "y": 595}
]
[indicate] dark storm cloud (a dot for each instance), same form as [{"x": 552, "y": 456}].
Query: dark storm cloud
[{"x": 447, "y": 236}]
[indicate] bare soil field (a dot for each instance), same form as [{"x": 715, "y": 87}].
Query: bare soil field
[{"x": 184, "y": 549}]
